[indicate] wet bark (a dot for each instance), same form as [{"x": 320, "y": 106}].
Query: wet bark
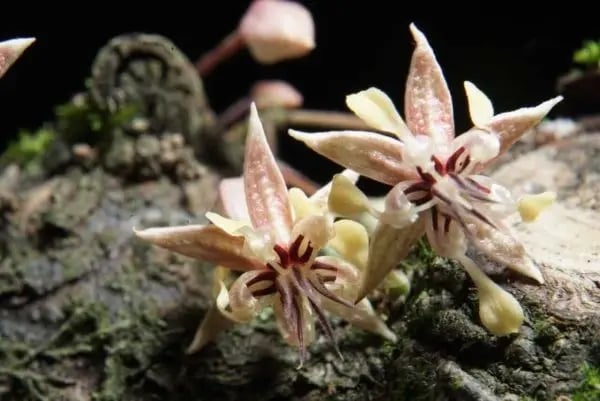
[{"x": 89, "y": 312}]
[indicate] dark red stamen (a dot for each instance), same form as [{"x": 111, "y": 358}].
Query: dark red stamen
[
  {"x": 263, "y": 275},
  {"x": 322, "y": 266},
  {"x": 264, "y": 291},
  {"x": 480, "y": 187},
  {"x": 447, "y": 222},
  {"x": 295, "y": 247},
  {"x": 425, "y": 176},
  {"x": 434, "y": 218},
  {"x": 465, "y": 164},
  {"x": 451, "y": 162},
  {"x": 417, "y": 186},
  {"x": 438, "y": 165},
  {"x": 305, "y": 257},
  {"x": 284, "y": 256}
]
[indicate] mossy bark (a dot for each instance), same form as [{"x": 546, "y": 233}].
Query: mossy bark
[{"x": 89, "y": 312}]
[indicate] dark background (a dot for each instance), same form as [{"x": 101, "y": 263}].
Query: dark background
[{"x": 514, "y": 52}]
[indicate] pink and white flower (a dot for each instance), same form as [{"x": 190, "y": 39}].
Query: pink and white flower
[
  {"x": 273, "y": 237},
  {"x": 437, "y": 186}
]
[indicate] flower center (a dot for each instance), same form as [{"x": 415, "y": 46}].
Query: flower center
[{"x": 293, "y": 256}]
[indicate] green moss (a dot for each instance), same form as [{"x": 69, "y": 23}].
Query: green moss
[
  {"x": 28, "y": 148},
  {"x": 588, "y": 54},
  {"x": 589, "y": 390},
  {"x": 82, "y": 121},
  {"x": 125, "y": 343}
]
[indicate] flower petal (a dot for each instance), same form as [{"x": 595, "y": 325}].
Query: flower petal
[
  {"x": 388, "y": 247},
  {"x": 500, "y": 245},
  {"x": 482, "y": 146},
  {"x": 345, "y": 199},
  {"x": 480, "y": 106},
  {"x": 241, "y": 299},
  {"x": 233, "y": 198},
  {"x": 377, "y": 110},
  {"x": 316, "y": 229},
  {"x": 204, "y": 242},
  {"x": 351, "y": 241},
  {"x": 320, "y": 198},
  {"x": 373, "y": 155},
  {"x": 214, "y": 321},
  {"x": 266, "y": 192},
  {"x": 301, "y": 204},
  {"x": 11, "y": 50},
  {"x": 362, "y": 316},
  {"x": 510, "y": 126},
  {"x": 427, "y": 101},
  {"x": 212, "y": 325},
  {"x": 230, "y": 226}
]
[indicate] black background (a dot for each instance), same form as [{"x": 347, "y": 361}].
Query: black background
[{"x": 514, "y": 52}]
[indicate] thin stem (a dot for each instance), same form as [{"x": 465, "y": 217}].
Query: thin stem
[
  {"x": 229, "y": 46},
  {"x": 235, "y": 112},
  {"x": 319, "y": 118},
  {"x": 294, "y": 178}
]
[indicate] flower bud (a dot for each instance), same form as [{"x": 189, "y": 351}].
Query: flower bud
[
  {"x": 275, "y": 94},
  {"x": 276, "y": 30},
  {"x": 530, "y": 206}
]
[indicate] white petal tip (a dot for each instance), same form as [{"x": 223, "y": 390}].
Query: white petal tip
[
  {"x": 299, "y": 135},
  {"x": 17, "y": 45},
  {"x": 417, "y": 34},
  {"x": 553, "y": 102}
]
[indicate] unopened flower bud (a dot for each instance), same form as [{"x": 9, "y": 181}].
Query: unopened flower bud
[
  {"x": 499, "y": 311},
  {"x": 275, "y": 30},
  {"x": 530, "y": 206},
  {"x": 275, "y": 94}
]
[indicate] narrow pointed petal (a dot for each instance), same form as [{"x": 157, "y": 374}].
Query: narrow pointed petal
[
  {"x": 377, "y": 110},
  {"x": 213, "y": 324},
  {"x": 233, "y": 198},
  {"x": 480, "y": 106},
  {"x": 389, "y": 246},
  {"x": 427, "y": 100},
  {"x": 266, "y": 192},
  {"x": 204, "y": 242},
  {"x": 11, "y": 50},
  {"x": 501, "y": 246},
  {"x": 510, "y": 126},
  {"x": 362, "y": 316},
  {"x": 214, "y": 321},
  {"x": 373, "y": 155},
  {"x": 230, "y": 226}
]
